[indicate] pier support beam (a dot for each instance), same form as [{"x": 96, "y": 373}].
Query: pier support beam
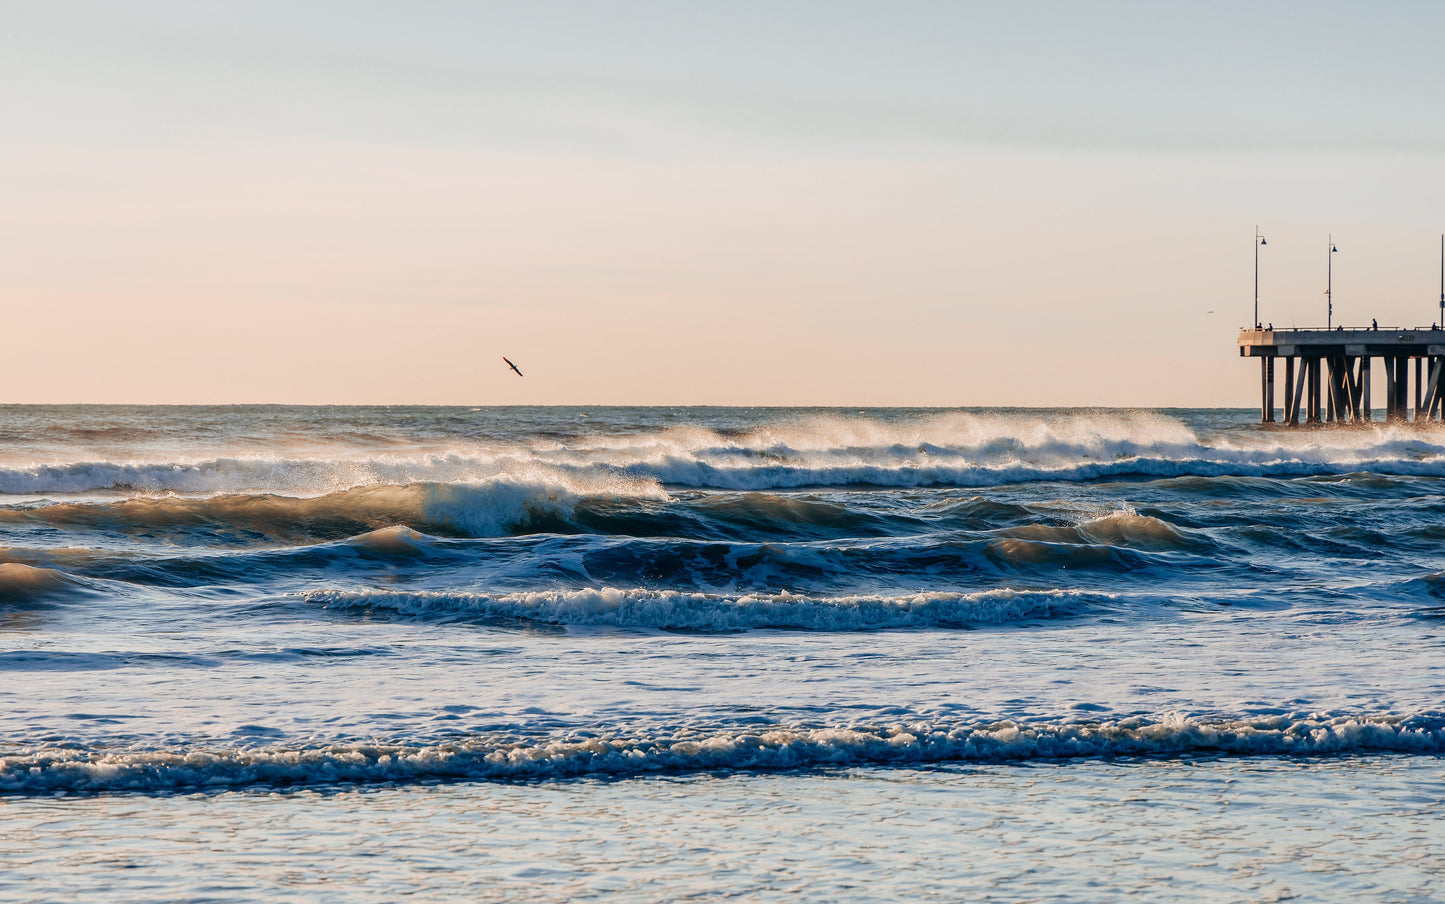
[
  {"x": 1269, "y": 392},
  {"x": 1365, "y": 388},
  {"x": 1302, "y": 393},
  {"x": 1332, "y": 390},
  {"x": 1341, "y": 383},
  {"x": 1389, "y": 365},
  {"x": 1291, "y": 393},
  {"x": 1419, "y": 385},
  {"x": 1343, "y": 380},
  {"x": 1352, "y": 387},
  {"x": 1397, "y": 381},
  {"x": 1266, "y": 390},
  {"x": 1312, "y": 412},
  {"x": 1432, "y": 392},
  {"x": 1402, "y": 383},
  {"x": 1437, "y": 410}
]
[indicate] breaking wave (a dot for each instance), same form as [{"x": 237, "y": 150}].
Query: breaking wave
[
  {"x": 956, "y": 449},
  {"x": 682, "y": 611},
  {"x": 485, "y": 509},
  {"x": 1119, "y": 528},
  {"x": 51, "y": 770}
]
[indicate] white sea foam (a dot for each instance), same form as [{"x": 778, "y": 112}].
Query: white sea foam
[
  {"x": 953, "y": 449},
  {"x": 679, "y": 610},
  {"x": 496, "y": 506},
  {"x": 47, "y": 770},
  {"x": 317, "y": 477}
]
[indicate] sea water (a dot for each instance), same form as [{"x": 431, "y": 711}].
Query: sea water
[{"x": 649, "y": 654}]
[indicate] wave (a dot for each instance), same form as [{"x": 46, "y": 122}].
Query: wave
[
  {"x": 761, "y": 514},
  {"x": 1121, "y": 528},
  {"x": 633, "y": 508},
  {"x": 701, "y": 564},
  {"x": 26, "y": 584},
  {"x": 51, "y": 770},
  {"x": 967, "y": 474},
  {"x": 1430, "y": 586},
  {"x": 942, "y": 450},
  {"x": 968, "y": 449},
  {"x": 759, "y": 473},
  {"x": 682, "y": 611},
  {"x": 484, "y": 509}
]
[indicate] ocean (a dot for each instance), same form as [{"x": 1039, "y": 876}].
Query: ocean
[{"x": 644, "y": 654}]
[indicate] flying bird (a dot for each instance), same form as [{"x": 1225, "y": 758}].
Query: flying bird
[{"x": 511, "y": 365}]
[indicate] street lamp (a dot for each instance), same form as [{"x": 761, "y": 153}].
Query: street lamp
[
  {"x": 1259, "y": 240},
  {"x": 1329, "y": 284}
]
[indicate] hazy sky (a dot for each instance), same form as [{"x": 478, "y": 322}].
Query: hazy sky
[{"x": 687, "y": 203}]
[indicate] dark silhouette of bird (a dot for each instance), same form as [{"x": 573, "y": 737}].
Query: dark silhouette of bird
[{"x": 511, "y": 365}]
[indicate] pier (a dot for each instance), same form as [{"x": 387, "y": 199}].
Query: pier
[{"x": 1327, "y": 372}]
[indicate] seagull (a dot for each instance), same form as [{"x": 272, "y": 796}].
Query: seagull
[{"x": 511, "y": 365}]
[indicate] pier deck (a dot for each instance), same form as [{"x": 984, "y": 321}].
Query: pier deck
[{"x": 1340, "y": 359}]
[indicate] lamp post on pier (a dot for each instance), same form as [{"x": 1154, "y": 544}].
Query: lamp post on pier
[
  {"x": 1329, "y": 285},
  {"x": 1259, "y": 240}
]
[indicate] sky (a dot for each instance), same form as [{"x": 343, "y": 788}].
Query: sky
[{"x": 739, "y": 203}]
